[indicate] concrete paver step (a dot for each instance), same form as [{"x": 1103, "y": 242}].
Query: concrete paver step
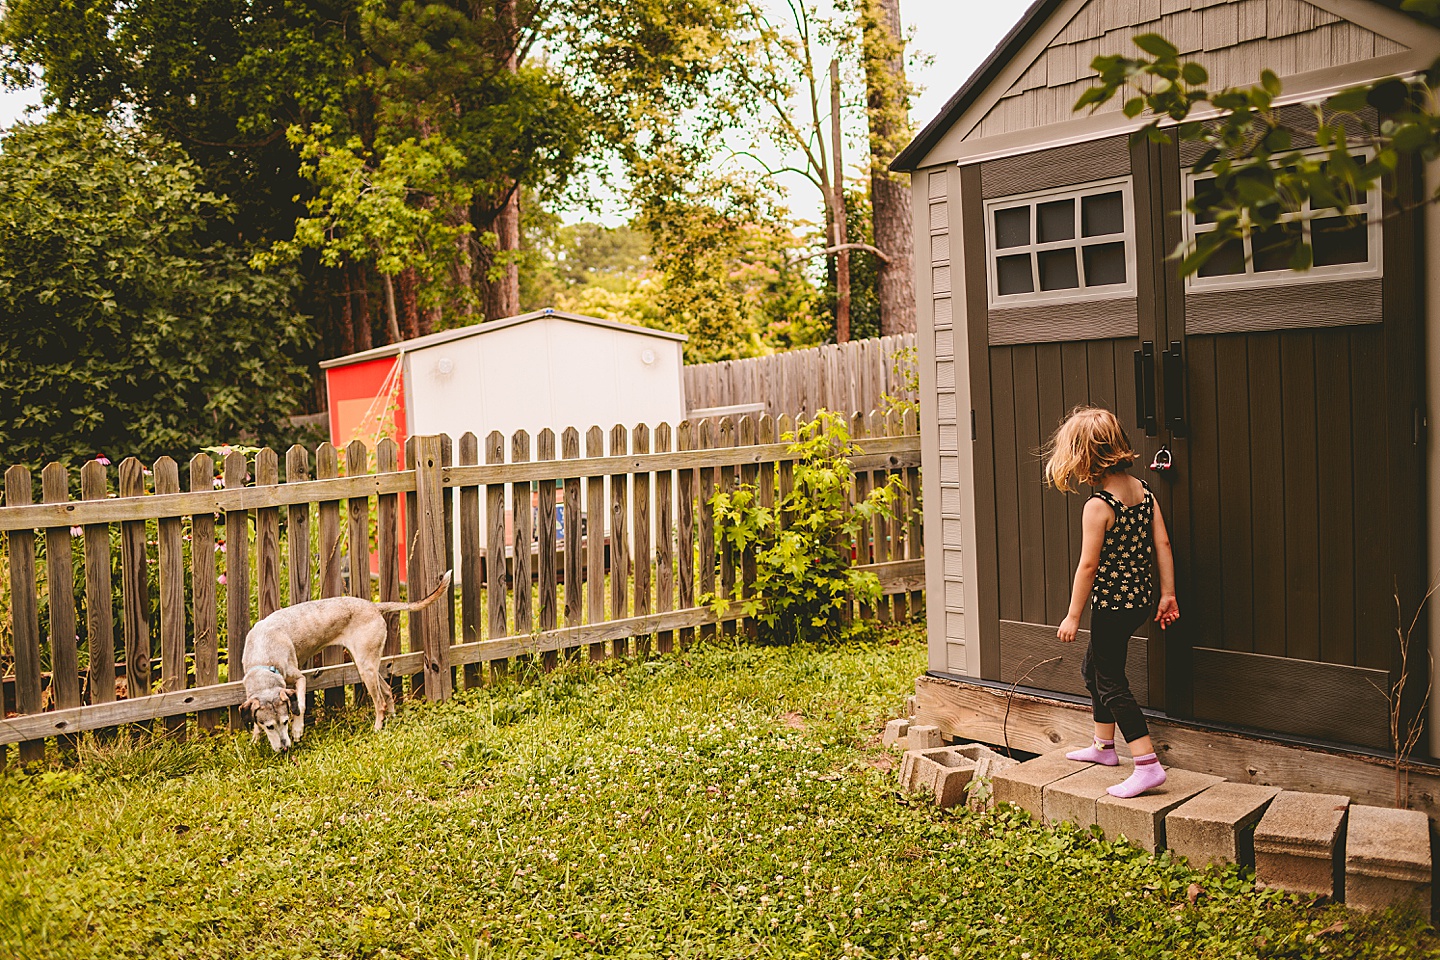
[
  {"x": 1142, "y": 819},
  {"x": 1300, "y": 843},
  {"x": 1022, "y": 785},
  {"x": 1074, "y": 798},
  {"x": 1387, "y": 859},
  {"x": 1218, "y": 825}
]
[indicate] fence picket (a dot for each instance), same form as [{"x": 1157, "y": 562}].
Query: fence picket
[
  {"x": 472, "y": 562},
  {"x": 387, "y": 545},
  {"x": 205, "y": 638},
  {"x": 357, "y": 510},
  {"x": 414, "y": 622},
  {"x": 664, "y": 539},
  {"x": 25, "y": 609},
  {"x": 725, "y": 481},
  {"x": 171, "y": 572},
  {"x": 545, "y": 543},
  {"x": 706, "y": 559},
  {"x": 640, "y": 557},
  {"x": 595, "y": 540},
  {"x": 749, "y": 476},
  {"x": 237, "y": 576},
  {"x": 332, "y": 561},
  {"x": 574, "y": 559},
  {"x": 60, "y": 581},
  {"x": 430, "y": 552},
  {"x": 619, "y": 536},
  {"x": 495, "y": 549},
  {"x": 134, "y": 586},
  {"x": 447, "y": 496},
  {"x": 895, "y": 548},
  {"x": 915, "y": 526},
  {"x": 267, "y": 536},
  {"x": 99, "y": 603},
  {"x": 864, "y": 544},
  {"x": 521, "y": 528}
]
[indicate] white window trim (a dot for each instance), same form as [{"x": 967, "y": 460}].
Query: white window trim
[
  {"x": 1373, "y": 267},
  {"x": 1113, "y": 291}
]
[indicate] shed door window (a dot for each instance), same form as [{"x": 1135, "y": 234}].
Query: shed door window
[
  {"x": 1343, "y": 243},
  {"x": 1061, "y": 245}
]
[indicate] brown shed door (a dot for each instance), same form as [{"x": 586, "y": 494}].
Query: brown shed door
[{"x": 1296, "y": 499}]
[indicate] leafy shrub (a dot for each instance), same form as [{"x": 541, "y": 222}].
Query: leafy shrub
[{"x": 804, "y": 580}]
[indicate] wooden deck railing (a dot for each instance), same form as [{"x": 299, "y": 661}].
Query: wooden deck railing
[{"x": 550, "y": 554}]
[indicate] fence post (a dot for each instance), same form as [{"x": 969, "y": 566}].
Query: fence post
[{"x": 430, "y": 552}]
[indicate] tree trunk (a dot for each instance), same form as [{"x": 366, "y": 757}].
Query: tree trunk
[
  {"x": 888, "y": 99},
  {"x": 355, "y": 276},
  {"x": 838, "y": 239},
  {"x": 347, "y": 317},
  {"x": 501, "y": 295},
  {"x": 409, "y": 303},
  {"x": 390, "y": 314}
]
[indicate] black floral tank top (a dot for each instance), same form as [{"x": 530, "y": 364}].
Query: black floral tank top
[{"x": 1125, "y": 579}]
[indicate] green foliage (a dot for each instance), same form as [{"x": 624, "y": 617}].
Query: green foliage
[
  {"x": 1260, "y": 176},
  {"x": 804, "y": 580},
  {"x": 130, "y": 330},
  {"x": 722, "y": 802}
]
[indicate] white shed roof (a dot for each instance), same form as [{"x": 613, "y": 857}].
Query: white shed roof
[{"x": 460, "y": 333}]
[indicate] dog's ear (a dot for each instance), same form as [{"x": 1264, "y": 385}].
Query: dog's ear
[
  {"x": 294, "y": 701},
  {"x": 249, "y": 706}
]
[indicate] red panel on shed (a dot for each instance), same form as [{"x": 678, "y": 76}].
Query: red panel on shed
[{"x": 367, "y": 402}]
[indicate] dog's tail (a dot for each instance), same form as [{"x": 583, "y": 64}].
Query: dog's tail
[{"x": 418, "y": 604}]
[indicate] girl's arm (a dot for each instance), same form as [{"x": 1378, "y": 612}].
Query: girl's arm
[
  {"x": 1168, "y": 611},
  {"x": 1093, "y": 522}
]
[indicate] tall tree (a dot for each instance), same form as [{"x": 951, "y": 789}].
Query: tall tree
[{"x": 888, "y": 109}]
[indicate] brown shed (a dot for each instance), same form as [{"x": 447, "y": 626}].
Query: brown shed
[{"x": 1295, "y": 404}]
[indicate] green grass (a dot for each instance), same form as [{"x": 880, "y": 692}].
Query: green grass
[{"x": 726, "y": 802}]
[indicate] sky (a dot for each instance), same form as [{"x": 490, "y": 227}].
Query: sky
[{"x": 955, "y": 36}]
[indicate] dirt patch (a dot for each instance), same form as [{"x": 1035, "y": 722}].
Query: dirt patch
[
  {"x": 884, "y": 762},
  {"x": 795, "y": 721}
]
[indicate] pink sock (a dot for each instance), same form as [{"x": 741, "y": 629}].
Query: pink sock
[
  {"x": 1148, "y": 775},
  {"x": 1101, "y": 751}
]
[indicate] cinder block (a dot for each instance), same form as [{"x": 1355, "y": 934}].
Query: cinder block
[
  {"x": 1300, "y": 842},
  {"x": 1073, "y": 799},
  {"x": 942, "y": 772},
  {"x": 910, "y": 706},
  {"x": 895, "y": 731},
  {"x": 1218, "y": 825},
  {"x": 1141, "y": 820},
  {"x": 1387, "y": 859},
  {"x": 925, "y": 738},
  {"x": 1023, "y": 784}
]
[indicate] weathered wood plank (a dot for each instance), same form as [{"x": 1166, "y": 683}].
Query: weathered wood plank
[
  {"x": 204, "y": 615},
  {"x": 725, "y": 482},
  {"x": 574, "y": 559},
  {"x": 332, "y": 562},
  {"x": 864, "y": 539},
  {"x": 521, "y": 536},
  {"x": 99, "y": 603},
  {"x": 24, "y": 609},
  {"x": 60, "y": 581},
  {"x": 430, "y": 551},
  {"x": 387, "y": 545},
  {"x": 750, "y": 477},
  {"x": 619, "y": 536},
  {"x": 496, "y": 621},
  {"x": 640, "y": 558},
  {"x": 472, "y": 561},
  {"x": 595, "y": 539},
  {"x": 237, "y": 575},
  {"x": 706, "y": 559},
  {"x": 664, "y": 539},
  {"x": 357, "y": 535},
  {"x": 547, "y": 610},
  {"x": 267, "y": 536},
  {"x": 134, "y": 588},
  {"x": 414, "y": 622},
  {"x": 685, "y": 527},
  {"x": 171, "y": 572},
  {"x": 297, "y": 526}
]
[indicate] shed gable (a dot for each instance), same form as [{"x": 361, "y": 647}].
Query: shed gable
[{"x": 1235, "y": 39}]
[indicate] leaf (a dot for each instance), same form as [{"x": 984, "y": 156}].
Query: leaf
[
  {"x": 1302, "y": 257},
  {"x": 1194, "y": 74},
  {"x": 1157, "y": 46},
  {"x": 1192, "y": 893},
  {"x": 1270, "y": 82},
  {"x": 1134, "y": 107}
]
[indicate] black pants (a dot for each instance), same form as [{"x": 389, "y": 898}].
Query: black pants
[{"x": 1104, "y": 670}]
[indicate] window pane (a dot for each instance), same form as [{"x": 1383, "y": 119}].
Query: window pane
[
  {"x": 1272, "y": 248},
  {"x": 1013, "y": 274},
  {"x": 1339, "y": 240},
  {"x": 1229, "y": 259},
  {"x": 1057, "y": 269},
  {"x": 1055, "y": 221},
  {"x": 1104, "y": 263},
  {"x": 1012, "y": 227},
  {"x": 1101, "y": 214},
  {"x": 1205, "y": 195}
]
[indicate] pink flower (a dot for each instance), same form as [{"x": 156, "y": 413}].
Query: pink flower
[
  {"x": 77, "y": 531},
  {"x": 103, "y": 460},
  {"x": 220, "y": 579},
  {"x": 219, "y": 483},
  {"x": 224, "y": 449}
]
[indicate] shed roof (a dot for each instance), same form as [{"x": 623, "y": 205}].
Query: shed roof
[
  {"x": 478, "y": 329},
  {"x": 909, "y": 159}
]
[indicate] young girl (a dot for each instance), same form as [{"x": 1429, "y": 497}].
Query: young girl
[{"x": 1123, "y": 533}]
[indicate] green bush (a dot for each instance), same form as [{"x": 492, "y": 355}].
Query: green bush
[{"x": 804, "y": 580}]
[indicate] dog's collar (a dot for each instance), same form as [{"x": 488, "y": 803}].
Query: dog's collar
[{"x": 264, "y": 666}]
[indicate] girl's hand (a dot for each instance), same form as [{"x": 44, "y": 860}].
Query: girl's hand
[
  {"x": 1067, "y": 630},
  {"x": 1168, "y": 611}
]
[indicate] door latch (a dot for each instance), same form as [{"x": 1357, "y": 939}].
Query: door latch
[{"x": 1163, "y": 461}]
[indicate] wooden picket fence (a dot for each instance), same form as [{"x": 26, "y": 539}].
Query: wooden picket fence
[
  {"x": 844, "y": 377},
  {"x": 633, "y": 572}
]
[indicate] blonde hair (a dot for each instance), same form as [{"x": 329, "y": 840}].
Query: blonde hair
[{"x": 1087, "y": 445}]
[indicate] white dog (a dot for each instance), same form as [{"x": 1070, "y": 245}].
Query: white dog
[{"x": 277, "y": 645}]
